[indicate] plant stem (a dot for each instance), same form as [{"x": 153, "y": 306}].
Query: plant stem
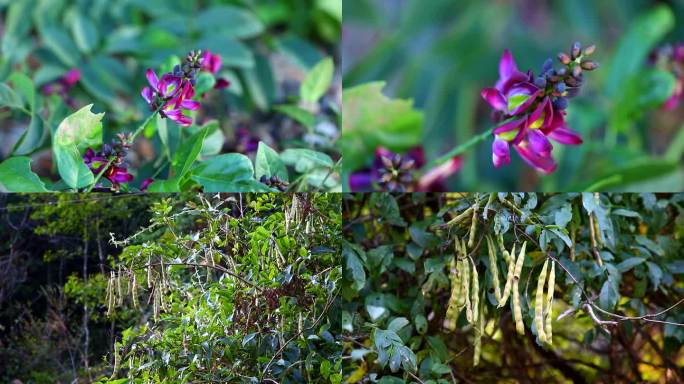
[
  {"x": 465, "y": 146},
  {"x": 144, "y": 124},
  {"x": 99, "y": 175}
]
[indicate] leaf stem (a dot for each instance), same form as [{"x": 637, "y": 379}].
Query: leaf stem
[{"x": 99, "y": 175}]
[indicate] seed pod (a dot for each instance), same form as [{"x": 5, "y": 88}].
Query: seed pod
[
  {"x": 108, "y": 299},
  {"x": 520, "y": 261},
  {"x": 473, "y": 226},
  {"x": 462, "y": 216},
  {"x": 539, "y": 303},
  {"x": 502, "y": 248},
  {"x": 476, "y": 293},
  {"x": 509, "y": 279},
  {"x": 453, "y": 307},
  {"x": 493, "y": 268},
  {"x": 149, "y": 271},
  {"x": 517, "y": 309},
  {"x": 466, "y": 293},
  {"x": 549, "y": 303},
  {"x": 479, "y": 330},
  {"x": 116, "y": 359},
  {"x": 134, "y": 293}
]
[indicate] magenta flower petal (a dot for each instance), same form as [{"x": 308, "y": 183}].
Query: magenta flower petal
[
  {"x": 152, "y": 78},
  {"x": 495, "y": 99},
  {"x": 566, "y": 136},
  {"x": 545, "y": 164},
  {"x": 501, "y": 153},
  {"x": 72, "y": 77},
  {"x": 361, "y": 181},
  {"x": 147, "y": 94},
  {"x": 507, "y": 66},
  {"x": 222, "y": 83},
  {"x": 510, "y": 126},
  {"x": 527, "y": 103},
  {"x": 539, "y": 143},
  {"x": 438, "y": 174},
  {"x": 190, "y": 104}
]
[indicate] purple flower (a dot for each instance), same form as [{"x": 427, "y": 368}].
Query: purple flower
[
  {"x": 146, "y": 183},
  {"x": 62, "y": 86},
  {"x": 116, "y": 172},
  {"x": 397, "y": 173},
  {"x": 212, "y": 63},
  {"x": 534, "y": 108},
  {"x": 671, "y": 58}
]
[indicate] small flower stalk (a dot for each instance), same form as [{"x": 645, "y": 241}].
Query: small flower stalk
[
  {"x": 532, "y": 108},
  {"x": 393, "y": 172},
  {"x": 671, "y": 58}
]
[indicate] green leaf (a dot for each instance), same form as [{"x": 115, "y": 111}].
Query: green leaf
[
  {"x": 76, "y": 133},
  {"x": 397, "y": 324},
  {"x": 306, "y": 160},
  {"x": 9, "y": 98},
  {"x": 187, "y": 153},
  {"x": 164, "y": 186},
  {"x": 24, "y": 85},
  {"x": 317, "y": 81},
  {"x": 33, "y": 137},
  {"x": 213, "y": 143},
  {"x": 640, "y": 39},
  {"x": 229, "y": 21},
  {"x": 61, "y": 45},
  {"x": 370, "y": 120},
  {"x": 268, "y": 163},
  {"x": 233, "y": 53},
  {"x": 205, "y": 82},
  {"x": 629, "y": 264},
  {"x": 635, "y": 172},
  {"x": 16, "y": 176},
  {"x": 353, "y": 270},
  {"x": 609, "y": 295},
  {"x": 231, "y": 172},
  {"x": 84, "y": 31},
  {"x": 421, "y": 324},
  {"x": 300, "y": 115}
]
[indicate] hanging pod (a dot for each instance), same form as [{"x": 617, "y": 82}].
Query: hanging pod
[
  {"x": 549, "y": 304},
  {"x": 479, "y": 330},
  {"x": 493, "y": 269},
  {"x": 476, "y": 293},
  {"x": 539, "y": 303},
  {"x": 473, "y": 226},
  {"x": 509, "y": 279}
]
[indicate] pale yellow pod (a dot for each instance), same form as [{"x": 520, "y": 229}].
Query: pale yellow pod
[
  {"x": 479, "y": 330},
  {"x": 520, "y": 261},
  {"x": 476, "y": 293},
  {"x": 539, "y": 303},
  {"x": 493, "y": 268},
  {"x": 549, "y": 305},
  {"x": 466, "y": 285},
  {"x": 502, "y": 248},
  {"x": 517, "y": 309},
  {"x": 149, "y": 271},
  {"x": 453, "y": 307},
  {"x": 460, "y": 217},
  {"x": 509, "y": 280},
  {"x": 473, "y": 226}
]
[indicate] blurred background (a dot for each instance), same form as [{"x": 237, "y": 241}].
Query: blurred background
[
  {"x": 78, "y": 52},
  {"x": 441, "y": 53}
]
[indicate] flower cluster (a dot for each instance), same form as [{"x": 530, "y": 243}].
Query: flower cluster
[
  {"x": 532, "y": 108},
  {"x": 172, "y": 94},
  {"x": 395, "y": 172},
  {"x": 112, "y": 159},
  {"x": 671, "y": 58},
  {"x": 62, "y": 86}
]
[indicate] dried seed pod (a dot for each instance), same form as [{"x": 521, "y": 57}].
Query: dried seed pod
[
  {"x": 473, "y": 226},
  {"x": 475, "y": 292},
  {"x": 466, "y": 293},
  {"x": 502, "y": 248},
  {"x": 479, "y": 330},
  {"x": 460, "y": 217},
  {"x": 110, "y": 294},
  {"x": 493, "y": 269},
  {"x": 453, "y": 306},
  {"x": 549, "y": 303},
  {"x": 539, "y": 303},
  {"x": 517, "y": 309},
  {"x": 134, "y": 293},
  {"x": 149, "y": 271},
  {"x": 509, "y": 279},
  {"x": 520, "y": 261}
]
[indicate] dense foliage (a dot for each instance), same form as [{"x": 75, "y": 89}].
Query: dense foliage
[
  {"x": 414, "y": 86},
  {"x": 460, "y": 287},
  {"x": 210, "y": 288},
  {"x": 219, "y": 95}
]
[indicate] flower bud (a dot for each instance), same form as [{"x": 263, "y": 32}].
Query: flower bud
[
  {"x": 576, "y": 71},
  {"x": 540, "y": 82},
  {"x": 571, "y": 81},
  {"x": 564, "y": 58},
  {"x": 548, "y": 64},
  {"x": 560, "y": 87},
  {"x": 560, "y": 103},
  {"x": 576, "y": 50},
  {"x": 562, "y": 72},
  {"x": 588, "y": 51},
  {"x": 589, "y": 65}
]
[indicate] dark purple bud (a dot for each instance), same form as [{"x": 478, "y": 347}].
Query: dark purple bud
[
  {"x": 548, "y": 63},
  {"x": 560, "y": 87},
  {"x": 576, "y": 50},
  {"x": 560, "y": 103},
  {"x": 576, "y": 70},
  {"x": 589, "y": 65},
  {"x": 571, "y": 81},
  {"x": 540, "y": 82},
  {"x": 564, "y": 58}
]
